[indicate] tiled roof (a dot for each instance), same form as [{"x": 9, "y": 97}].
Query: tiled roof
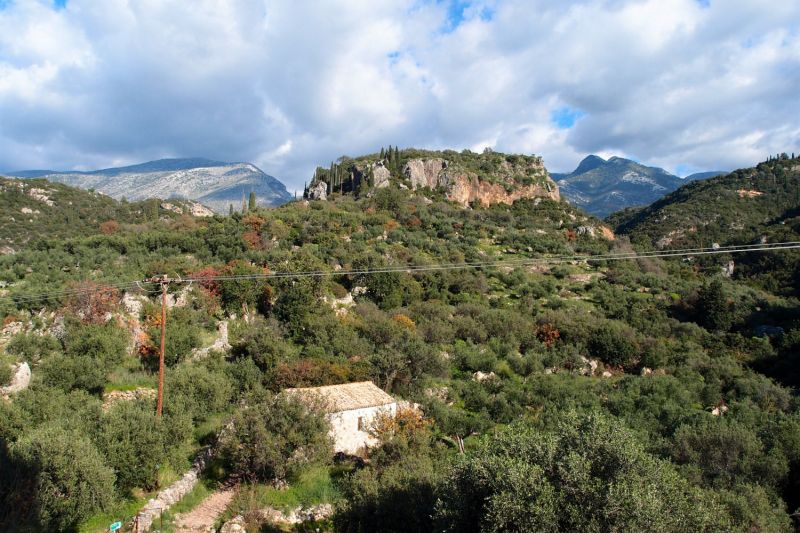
[{"x": 346, "y": 397}]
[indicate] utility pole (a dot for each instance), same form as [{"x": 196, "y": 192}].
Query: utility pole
[{"x": 164, "y": 282}]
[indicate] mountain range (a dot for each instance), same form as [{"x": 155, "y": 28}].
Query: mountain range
[
  {"x": 602, "y": 186},
  {"x": 213, "y": 183}
]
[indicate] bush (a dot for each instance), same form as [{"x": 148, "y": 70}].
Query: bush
[
  {"x": 75, "y": 372},
  {"x": 276, "y": 439},
  {"x": 71, "y": 479},
  {"x": 107, "y": 343},
  {"x": 31, "y": 347},
  {"x": 131, "y": 438},
  {"x": 590, "y": 474},
  {"x": 611, "y": 347},
  {"x": 202, "y": 392},
  {"x": 6, "y": 374},
  {"x": 183, "y": 335},
  {"x": 265, "y": 347}
]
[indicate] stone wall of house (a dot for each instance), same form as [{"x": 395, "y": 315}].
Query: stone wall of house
[{"x": 344, "y": 427}]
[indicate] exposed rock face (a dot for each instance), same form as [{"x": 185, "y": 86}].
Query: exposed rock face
[
  {"x": 318, "y": 191},
  {"x": 727, "y": 270},
  {"x": 465, "y": 187},
  {"x": 20, "y": 380},
  {"x": 213, "y": 183},
  {"x": 381, "y": 174}
]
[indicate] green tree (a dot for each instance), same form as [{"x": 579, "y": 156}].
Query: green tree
[
  {"x": 265, "y": 347},
  {"x": 251, "y": 205},
  {"x": 74, "y": 372},
  {"x": 712, "y": 307},
  {"x": 276, "y": 439},
  {"x": 611, "y": 347},
  {"x": 71, "y": 479},
  {"x": 589, "y": 474},
  {"x": 131, "y": 439}
]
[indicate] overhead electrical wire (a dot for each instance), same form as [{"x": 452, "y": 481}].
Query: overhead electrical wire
[{"x": 618, "y": 256}]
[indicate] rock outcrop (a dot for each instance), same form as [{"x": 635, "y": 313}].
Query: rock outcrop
[
  {"x": 319, "y": 191},
  {"x": 464, "y": 186},
  {"x": 19, "y": 381}
]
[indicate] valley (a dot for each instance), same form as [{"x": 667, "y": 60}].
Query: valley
[{"x": 552, "y": 370}]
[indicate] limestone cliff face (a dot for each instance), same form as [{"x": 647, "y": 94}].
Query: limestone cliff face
[{"x": 464, "y": 186}]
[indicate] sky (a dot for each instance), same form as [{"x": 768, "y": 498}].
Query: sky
[{"x": 687, "y": 85}]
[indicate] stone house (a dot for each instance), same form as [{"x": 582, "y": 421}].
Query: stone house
[{"x": 350, "y": 409}]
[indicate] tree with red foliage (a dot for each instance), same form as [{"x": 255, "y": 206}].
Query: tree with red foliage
[
  {"x": 92, "y": 302},
  {"x": 548, "y": 334}
]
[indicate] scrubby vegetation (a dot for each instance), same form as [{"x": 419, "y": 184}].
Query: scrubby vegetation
[{"x": 649, "y": 394}]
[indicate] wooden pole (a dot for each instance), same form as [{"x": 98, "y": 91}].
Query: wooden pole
[{"x": 161, "y": 354}]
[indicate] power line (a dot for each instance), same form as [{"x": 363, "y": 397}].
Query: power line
[{"x": 619, "y": 256}]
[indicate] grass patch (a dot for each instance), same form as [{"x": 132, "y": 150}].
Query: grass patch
[
  {"x": 314, "y": 486},
  {"x": 123, "y": 511},
  {"x": 130, "y": 376}
]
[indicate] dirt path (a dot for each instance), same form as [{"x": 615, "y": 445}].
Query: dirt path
[{"x": 203, "y": 517}]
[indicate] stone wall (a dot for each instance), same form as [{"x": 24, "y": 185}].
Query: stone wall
[
  {"x": 344, "y": 427},
  {"x": 151, "y": 512}
]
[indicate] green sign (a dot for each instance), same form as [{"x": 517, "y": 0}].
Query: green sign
[{"x": 115, "y": 526}]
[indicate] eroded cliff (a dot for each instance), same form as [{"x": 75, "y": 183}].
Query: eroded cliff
[{"x": 505, "y": 183}]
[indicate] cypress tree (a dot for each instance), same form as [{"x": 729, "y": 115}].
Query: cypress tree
[
  {"x": 712, "y": 306},
  {"x": 383, "y": 154},
  {"x": 389, "y": 155},
  {"x": 252, "y": 203},
  {"x": 230, "y": 211}
]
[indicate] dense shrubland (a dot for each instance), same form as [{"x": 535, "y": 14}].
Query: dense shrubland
[{"x": 696, "y": 429}]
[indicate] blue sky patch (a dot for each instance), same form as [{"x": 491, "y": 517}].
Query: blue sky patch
[
  {"x": 704, "y": 3},
  {"x": 60, "y": 4},
  {"x": 455, "y": 13},
  {"x": 565, "y": 117}
]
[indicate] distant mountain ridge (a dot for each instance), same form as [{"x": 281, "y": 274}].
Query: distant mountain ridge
[
  {"x": 212, "y": 183},
  {"x": 602, "y": 186}
]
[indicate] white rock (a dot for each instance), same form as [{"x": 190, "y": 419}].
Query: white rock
[
  {"x": 20, "y": 380},
  {"x": 727, "y": 270},
  {"x": 318, "y": 191}
]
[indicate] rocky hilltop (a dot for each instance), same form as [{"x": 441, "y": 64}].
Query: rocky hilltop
[
  {"x": 213, "y": 183},
  {"x": 465, "y": 177}
]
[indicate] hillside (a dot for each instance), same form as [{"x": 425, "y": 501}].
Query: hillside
[
  {"x": 211, "y": 183},
  {"x": 704, "y": 175},
  {"x": 35, "y": 209},
  {"x": 751, "y": 205},
  {"x": 601, "y": 187},
  {"x": 670, "y": 383}
]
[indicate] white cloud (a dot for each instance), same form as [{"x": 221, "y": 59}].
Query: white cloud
[{"x": 292, "y": 85}]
